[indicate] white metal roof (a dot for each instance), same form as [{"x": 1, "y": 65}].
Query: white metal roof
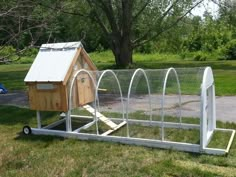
[{"x": 52, "y": 62}]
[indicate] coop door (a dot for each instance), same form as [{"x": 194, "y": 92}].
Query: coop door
[
  {"x": 208, "y": 122},
  {"x": 85, "y": 89}
]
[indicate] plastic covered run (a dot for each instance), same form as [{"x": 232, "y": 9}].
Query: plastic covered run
[
  {"x": 144, "y": 99},
  {"x": 162, "y": 95},
  {"x": 166, "y": 108}
]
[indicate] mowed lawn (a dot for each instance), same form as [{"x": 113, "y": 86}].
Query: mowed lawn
[
  {"x": 40, "y": 156},
  {"x": 12, "y": 76}
]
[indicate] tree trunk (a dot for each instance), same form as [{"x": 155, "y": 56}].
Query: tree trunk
[
  {"x": 121, "y": 45},
  {"x": 123, "y": 53}
]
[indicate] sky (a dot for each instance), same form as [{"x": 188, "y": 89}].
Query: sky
[{"x": 206, "y": 5}]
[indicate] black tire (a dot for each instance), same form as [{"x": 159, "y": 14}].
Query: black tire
[{"x": 26, "y": 130}]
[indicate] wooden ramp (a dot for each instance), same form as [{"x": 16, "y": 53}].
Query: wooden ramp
[{"x": 105, "y": 120}]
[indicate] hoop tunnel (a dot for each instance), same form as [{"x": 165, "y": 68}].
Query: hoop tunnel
[
  {"x": 129, "y": 92},
  {"x": 163, "y": 99},
  {"x": 119, "y": 89}
]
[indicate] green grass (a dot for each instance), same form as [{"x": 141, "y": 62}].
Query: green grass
[
  {"x": 38, "y": 156},
  {"x": 12, "y": 76},
  {"x": 224, "y": 71}
]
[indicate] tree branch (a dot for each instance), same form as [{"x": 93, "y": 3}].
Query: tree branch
[
  {"x": 141, "y": 10},
  {"x": 9, "y": 11},
  {"x": 141, "y": 40},
  {"x": 159, "y": 21},
  {"x": 97, "y": 18},
  {"x": 62, "y": 11},
  {"x": 108, "y": 10}
]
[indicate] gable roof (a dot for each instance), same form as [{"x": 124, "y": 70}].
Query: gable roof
[{"x": 52, "y": 62}]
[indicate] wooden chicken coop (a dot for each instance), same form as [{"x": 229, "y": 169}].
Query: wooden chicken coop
[{"x": 49, "y": 77}]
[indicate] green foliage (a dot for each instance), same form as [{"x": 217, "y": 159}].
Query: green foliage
[
  {"x": 27, "y": 56},
  {"x": 149, "y": 47},
  {"x": 200, "y": 56},
  {"x": 208, "y": 37},
  {"x": 10, "y": 54},
  {"x": 6, "y": 51},
  {"x": 194, "y": 38},
  {"x": 25, "y": 60},
  {"x": 31, "y": 52},
  {"x": 228, "y": 52}
]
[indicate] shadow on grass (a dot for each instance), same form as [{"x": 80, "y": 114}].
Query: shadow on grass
[
  {"x": 38, "y": 138},
  {"x": 11, "y": 115}
]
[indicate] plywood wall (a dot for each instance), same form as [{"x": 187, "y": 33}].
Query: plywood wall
[{"x": 52, "y": 99}]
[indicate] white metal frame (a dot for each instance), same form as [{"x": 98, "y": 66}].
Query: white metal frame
[
  {"x": 207, "y": 123},
  {"x": 120, "y": 91},
  {"x": 129, "y": 92},
  {"x": 68, "y": 114},
  {"x": 163, "y": 100}
]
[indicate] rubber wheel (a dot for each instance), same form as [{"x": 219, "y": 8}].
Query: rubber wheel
[{"x": 26, "y": 130}]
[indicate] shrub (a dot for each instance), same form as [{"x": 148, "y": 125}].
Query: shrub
[
  {"x": 31, "y": 52},
  {"x": 229, "y": 51},
  {"x": 149, "y": 47},
  {"x": 200, "y": 56},
  {"x": 6, "y": 51}
]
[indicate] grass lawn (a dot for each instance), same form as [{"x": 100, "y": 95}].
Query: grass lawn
[
  {"x": 12, "y": 76},
  {"x": 40, "y": 156}
]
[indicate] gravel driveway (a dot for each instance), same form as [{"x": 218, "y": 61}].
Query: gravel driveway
[
  {"x": 16, "y": 98},
  {"x": 225, "y": 105}
]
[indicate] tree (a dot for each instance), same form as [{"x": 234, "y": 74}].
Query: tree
[
  {"x": 128, "y": 24},
  {"x": 23, "y": 24},
  {"x": 227, "y": 13}
]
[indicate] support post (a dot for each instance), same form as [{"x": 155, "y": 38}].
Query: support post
[
  {"x": 68, "y": 122},
  {"x": 38, "y": 119}
]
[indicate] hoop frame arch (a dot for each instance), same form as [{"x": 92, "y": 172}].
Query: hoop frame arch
[
  {"x": 163, "y": 99},
  {"x": 119, "y": 87},
  {"x": 68, "y": 123},
  {"x": 128, "y": 96},
  {"x": 208, "y": 124}
]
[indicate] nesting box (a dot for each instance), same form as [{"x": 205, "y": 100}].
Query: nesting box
[{"x": 50, "y": 75}]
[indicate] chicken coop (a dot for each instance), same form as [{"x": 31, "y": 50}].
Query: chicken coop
[
  {"x": 172, "y": 108},
  {"x": 50, "y": 75}
]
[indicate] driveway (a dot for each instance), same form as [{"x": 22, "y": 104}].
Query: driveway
[{"x": 225, "y": 105}]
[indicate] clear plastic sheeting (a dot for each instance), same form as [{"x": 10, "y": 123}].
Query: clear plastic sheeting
[{"x": 140, "y": 99}]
